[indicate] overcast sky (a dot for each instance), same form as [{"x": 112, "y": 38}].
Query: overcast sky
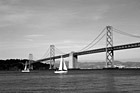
[{"x": 31, "y": 26}]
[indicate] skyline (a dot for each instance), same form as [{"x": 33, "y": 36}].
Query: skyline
[{"x": 32, "y": 26}]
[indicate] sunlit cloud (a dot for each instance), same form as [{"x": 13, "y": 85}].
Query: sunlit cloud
[
  {"x": 34, "y": 36},
  {"x": 30, "y": 40}
]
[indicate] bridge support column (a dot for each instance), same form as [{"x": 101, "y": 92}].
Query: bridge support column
[
  {"x": 73, "y": 60},
  {"x": 109, "y": 52},
  {"x": 52, "y": 54}
]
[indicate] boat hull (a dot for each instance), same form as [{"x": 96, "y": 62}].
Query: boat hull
[
  {"x": 25, "y": 70},
  {"x": 60, "y": 72}
]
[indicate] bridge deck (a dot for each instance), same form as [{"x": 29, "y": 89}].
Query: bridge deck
[{"x": 119, "y": 47}]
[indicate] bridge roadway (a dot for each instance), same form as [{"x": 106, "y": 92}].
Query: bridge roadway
[{"x": 119, "y": 47}]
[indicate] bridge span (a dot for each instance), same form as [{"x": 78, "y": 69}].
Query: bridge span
[
  {"x": 74, "y": 55},
  {"x": 109, "y": 49}
]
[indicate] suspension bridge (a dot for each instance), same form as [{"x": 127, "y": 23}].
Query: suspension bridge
[{"x": 109, "y": 49}]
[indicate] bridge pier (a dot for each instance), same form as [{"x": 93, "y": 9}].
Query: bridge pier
[{"x": 73, "y": 59}]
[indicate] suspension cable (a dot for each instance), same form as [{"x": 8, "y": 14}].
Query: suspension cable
[
  {"x": 35, "y": 58},
  {"x": 125, "y": 33},
  {"x": 59, "y": 51},
  {"x": 97, "y": 41},
  {"x": 93, "y": 40},
  {"x": 46, "y": 53}
]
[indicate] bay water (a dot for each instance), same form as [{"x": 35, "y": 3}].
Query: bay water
[{"x": 75, "y": 81}]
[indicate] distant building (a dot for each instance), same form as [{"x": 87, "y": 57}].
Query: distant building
[{"x": 119, "y": 66}]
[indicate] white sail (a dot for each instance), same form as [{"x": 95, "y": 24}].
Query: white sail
[
  {"x": 25, "y": 68},
  {"x": 64, "y": 65},
  {"x": 61, "y": 64}
]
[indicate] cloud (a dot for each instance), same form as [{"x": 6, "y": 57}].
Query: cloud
[
  {"x": 9, "y": 2},
  {"x": 34, "y": 36},
  {"x": 97, "y": 17},
  {"x": 10, "y": 15},
  {"x": 16, "y": 17},
  {"x": 100, "y": 12},
  {"x": 30, "y": 40}
]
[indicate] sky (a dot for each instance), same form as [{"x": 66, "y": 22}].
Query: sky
[{"x": 31, "y": 26}]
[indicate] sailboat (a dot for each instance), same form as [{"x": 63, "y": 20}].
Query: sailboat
[
  {"x": 62, "y": 67},
  {"x": 25, "y": 68}
]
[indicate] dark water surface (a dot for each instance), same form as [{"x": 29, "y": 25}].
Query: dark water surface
[{"x": 82, "y": 81}]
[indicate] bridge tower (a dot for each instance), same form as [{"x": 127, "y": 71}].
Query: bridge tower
[
  {"x": 52, "y": 54},
  {"x": 109, "y": 43},
  {"x": 30, "y": 61}
]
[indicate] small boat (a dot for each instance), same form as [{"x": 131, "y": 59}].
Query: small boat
[
  {"x": 25, "y": 68},
  {"x": 62, "y": 67}
]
